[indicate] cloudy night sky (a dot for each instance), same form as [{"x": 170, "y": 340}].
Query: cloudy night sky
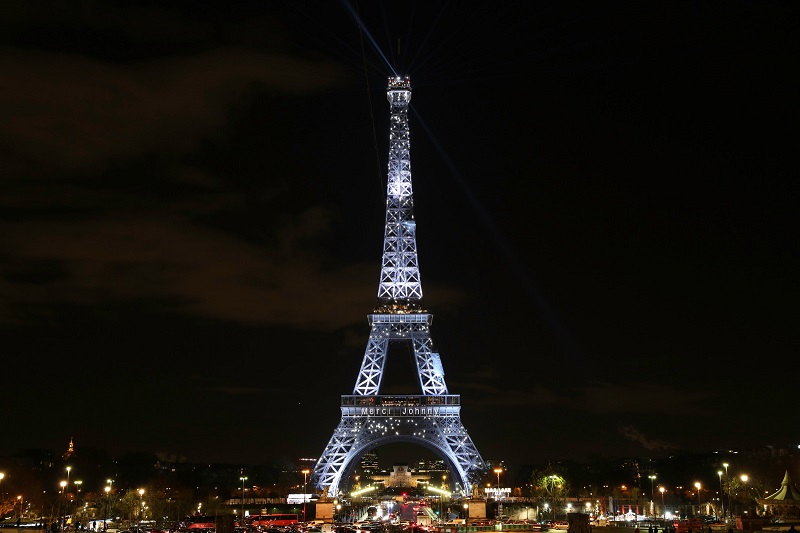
[{"x": 192, "y": 205}]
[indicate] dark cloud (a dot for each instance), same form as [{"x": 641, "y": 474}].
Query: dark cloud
[
  {"x": 72, "y": 114},
  {"x": 652, "y": 445}
]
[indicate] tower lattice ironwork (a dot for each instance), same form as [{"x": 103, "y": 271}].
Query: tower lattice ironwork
[{"x": 370, "y": 419}]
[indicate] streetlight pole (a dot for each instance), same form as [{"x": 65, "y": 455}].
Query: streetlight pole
[
  {"x": 697, "y": 486},
  {"x": 652, "y": 479},
  {"x": 728, "y": 482},
  {"x": 141, "y": 504},
  {"x": 744, "y": 478},
  {"x": 498, "y": 471},
  {"x": 241, "y": 520},
  {"x": 77, "y": 484},
  {"x": 306, "y": 471},
  {"x": 663, "y": 507},
  {"x": 108, "y": 502},
  {"x": 63, "y": 500},
  {"x": 108, "y": 505},
  {"x": 721, "y": 499},
  {"x": 66, "y": 490},
  {"x": 441, "y": 499}
]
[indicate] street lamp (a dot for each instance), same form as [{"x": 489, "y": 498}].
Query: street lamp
[
  {"x": 77, "y": 484},
  {"x": 728, "y": 482},
  {"x": 663, "y": 507},
  {"x": 66, "y": 498},
  {"x": 63, "y": 485},
  {"x": 697, "y": 486},
  {"x": 652, "y": 479},
  {"x": 498, "y": 471},
  {"x": 241, "y": 520},
  {"x": 305, "y": 471},
  {"x": 141, "y": 502},
  {"x": 108, "y": 505},
  {"x": 744, "y": 478},
  {"x": 441, "y": 501},
  {"x": 722, "y": 501}
]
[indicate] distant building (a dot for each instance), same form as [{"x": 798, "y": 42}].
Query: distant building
[
  {"x": 403, "y": 476},
  {"x": 369, "y": 463}
]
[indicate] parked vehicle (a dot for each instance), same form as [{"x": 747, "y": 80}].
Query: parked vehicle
[
  {"x": 274, "y": 520},
  {"x": 200, "y": 522}
]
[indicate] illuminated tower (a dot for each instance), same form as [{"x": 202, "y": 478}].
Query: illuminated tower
[{"x": 431, "y": 419}]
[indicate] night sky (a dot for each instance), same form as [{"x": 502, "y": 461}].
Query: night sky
[{"x": 192, "y": 216}]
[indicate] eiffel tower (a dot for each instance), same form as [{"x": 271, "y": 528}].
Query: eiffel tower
[{"x": 369, "y": 418}]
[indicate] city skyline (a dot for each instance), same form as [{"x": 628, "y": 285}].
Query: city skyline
[
  {"x": 193, "y": 203},
  {"x": 170, "y": 489},
  {"x": 764, "y": 471}
]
